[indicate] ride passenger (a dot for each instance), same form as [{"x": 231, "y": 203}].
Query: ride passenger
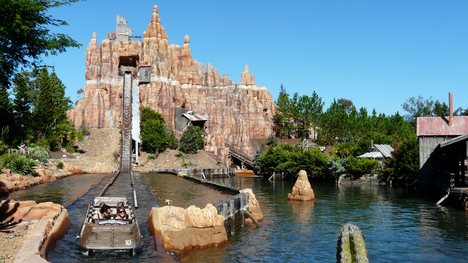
[
  {"x": 121, "y": 214},
  {"x": 104, "y": 211}
]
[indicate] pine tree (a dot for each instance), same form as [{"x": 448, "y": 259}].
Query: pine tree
[{"x": 22, "y": 105}]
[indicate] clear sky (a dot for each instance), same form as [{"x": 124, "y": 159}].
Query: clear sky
[{"x": 377, "y": 53}]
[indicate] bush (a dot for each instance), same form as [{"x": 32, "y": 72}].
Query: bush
[
  {"x": 37, "y": 152},
  {"x": 192, "y": 140},
  {"x": 18, "y": 163},
  {"x": 151, "y": 156},
  {"x": 357, "y": 167},
  {"x": 172, "y": 141},
  {"x": 154, "y": 137},
  {"x": 60, "y": 165},
  {"x": 3, "y": 147}
]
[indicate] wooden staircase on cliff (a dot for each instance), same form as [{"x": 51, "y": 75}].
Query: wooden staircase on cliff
[{"x": 239, "y": 155}]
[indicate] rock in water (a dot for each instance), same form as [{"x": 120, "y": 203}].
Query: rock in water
[
  {"x": 351, "y": 246},
  {"x": 302, "y": 190}
]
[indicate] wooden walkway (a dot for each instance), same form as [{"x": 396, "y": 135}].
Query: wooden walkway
[{"x": 460, "y": 195}]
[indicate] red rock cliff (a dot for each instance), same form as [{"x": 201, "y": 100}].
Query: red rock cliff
[{"x": 236, "y": 112}]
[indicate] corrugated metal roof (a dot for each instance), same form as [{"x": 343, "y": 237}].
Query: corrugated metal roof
[
  {"x": 438, "y": 126},
  {"x": 194, "y": 117},
  {"x": 374, "y": 155},
  {"x": 380, "y": 151},
  {"x": 385, "y": 149},
  {"x": 454, "y": 140}
]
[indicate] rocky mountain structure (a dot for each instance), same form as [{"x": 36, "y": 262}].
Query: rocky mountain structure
[{"x": 174, "y": 80}]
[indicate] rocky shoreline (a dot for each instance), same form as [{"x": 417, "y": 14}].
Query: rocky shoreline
[{"x": 29, "y": 228}]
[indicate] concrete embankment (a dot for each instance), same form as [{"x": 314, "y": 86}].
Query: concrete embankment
[{"x": 30, "y": 229}]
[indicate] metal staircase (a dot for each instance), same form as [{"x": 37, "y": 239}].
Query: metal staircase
[{"x": 234, "y": 153}]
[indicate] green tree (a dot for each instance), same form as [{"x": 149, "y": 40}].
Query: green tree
[
  {"x": 282, "y": 118},
  {"x": 154, "y": 136},
  {"x": 404, "y": 166},
  {"x": 6, "y": 119},
  {"x": 22, "y": 105},
  {"x": 191, "y": 140},
  {"x": 25, "y": 35},
  {"x": 51, "y": 105}
]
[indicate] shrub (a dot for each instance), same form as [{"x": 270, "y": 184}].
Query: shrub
[
  {"x": 357, "y": 167},
  {"x": 154, "y": 137},
  {"x": 69, "y": 148},
  {"x": 60, "y": 165},
  {"x": 3, "y": 147},
  {"x": 172, "y": 141},
  {"x": 18, "y": 163},
  {"x": 192, "y": 140},
  {"x": 37, "y": 152},
  {"x": 151, "y": 156},
  {"x": 179, "y": 155}
]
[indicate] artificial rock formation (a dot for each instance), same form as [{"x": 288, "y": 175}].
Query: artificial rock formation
[
  {"x": 39, "y": 224},
  {"x": 236, "y": 112},
  {"x": 180, "y": 230},
  {"x": 302, "y": 190},
  {"x": 254, "y": 207}
]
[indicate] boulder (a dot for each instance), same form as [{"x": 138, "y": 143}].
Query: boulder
[
  {"x": 180, "y": 230},
  {"x": 254, "y": 207},
  {"x": 302, "y": 190},
  {"x": 40, "y": 225}
]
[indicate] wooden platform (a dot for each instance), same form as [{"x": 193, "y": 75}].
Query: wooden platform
[{"x": 459, "y": 195}]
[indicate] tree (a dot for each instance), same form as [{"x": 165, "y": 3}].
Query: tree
[
  {"x": 404, "y": 166},
  {"x": 25, "y": 35},
  {"x": 420, "y": 107},
  {"x": 6, "y": 119},
  {"x": 51, "y": 106},
  {"x": 191, "y": 140},
  {"x": 154, "y": 136},
  {"x": 22, "y": 105}
]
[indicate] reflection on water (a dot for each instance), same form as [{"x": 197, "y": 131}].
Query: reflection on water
[
  {"x": 183, "y": 192},
  {"x": 63, "y": 191},
  {"x": 397, "y": 225}
]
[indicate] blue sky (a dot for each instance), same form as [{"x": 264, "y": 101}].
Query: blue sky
[{"x": 377, "y": 53}]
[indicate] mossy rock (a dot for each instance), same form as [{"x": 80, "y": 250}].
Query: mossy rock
[{"x": 351, "y": 246}]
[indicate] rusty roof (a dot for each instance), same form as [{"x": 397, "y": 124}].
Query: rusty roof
[
  {"x": 194, "y": 117},
  {"x": 438, "y": 126}
]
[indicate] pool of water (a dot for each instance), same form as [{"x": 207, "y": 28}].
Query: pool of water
[{"x": 398, "y": 226}]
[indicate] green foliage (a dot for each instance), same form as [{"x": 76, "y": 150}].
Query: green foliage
[
  {"x": 357, "y": 167},
  {"x": 192, "y": 140},
  {"x": 43, "y": 143},
  {"x": 39, "y": 153},
  {"x": 172, "y": 141},
  {"x": 151, "y": 156},
  {"x": 25, "y": 27},
  {"x": 18, "y": 163},
  {"x": 3, "y": 147},
  {"x": 60, "y": 165},
  {"x": 297, "y": 115},
  {"x": 404, "y": 166},
  {"x": 153, "y": 132},
  {"x": 179, "y": 155},
  {"x": 290, "y": 159}
]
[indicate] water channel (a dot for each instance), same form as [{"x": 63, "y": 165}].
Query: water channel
[{"x": 398, "y": 226}]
